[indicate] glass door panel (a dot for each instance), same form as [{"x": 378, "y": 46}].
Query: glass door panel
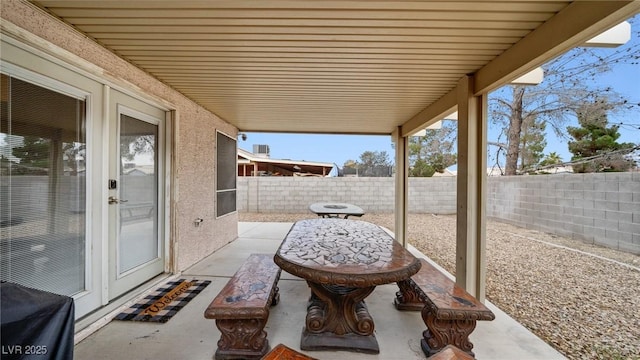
[
  {"x": 136, "y": 196},
  {"x": 138, "y": 240}
]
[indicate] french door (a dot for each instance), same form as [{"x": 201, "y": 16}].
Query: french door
[
  {"x": 135, "y": 193},
  {"x": 50, "y": 232},
  {"x": 82, "y": 182}
]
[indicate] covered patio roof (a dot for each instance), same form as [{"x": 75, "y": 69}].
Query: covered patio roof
[
  {"x": 351, "y": 67},
  {"x": 348, "y": 67}
]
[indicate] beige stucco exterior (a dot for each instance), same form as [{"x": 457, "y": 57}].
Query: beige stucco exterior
[{"x": 192, "y": 181}]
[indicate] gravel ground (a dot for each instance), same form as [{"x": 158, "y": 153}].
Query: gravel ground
[{"x": 583, "y": 300}]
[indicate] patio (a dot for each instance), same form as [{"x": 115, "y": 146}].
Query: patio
[
  {"x": 188, "y": 335},
  {"x": 202, "y": 72}
]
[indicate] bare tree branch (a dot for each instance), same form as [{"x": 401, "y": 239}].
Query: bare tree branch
[{"x": 583, "y": 160}]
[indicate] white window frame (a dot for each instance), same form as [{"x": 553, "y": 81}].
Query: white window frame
[{"x": 233, "y": 172}]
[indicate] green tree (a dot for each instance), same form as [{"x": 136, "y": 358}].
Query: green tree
[
  {"x": 350, "y": 167},
  {"x": 421, "y": 169},
  {"x": 552, "y": 158},
  {"x": 532, "y": 143},
  {"x": 550, "y": 161},
  {"x": 350, "y": 163},
  {"x": 433, "y": 152},
  {"x": 595, "y": 147},
  {"x": 34, "y": 152},
  {"x": 374, "y": 163}
]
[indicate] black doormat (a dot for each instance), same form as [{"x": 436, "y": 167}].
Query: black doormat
[{"x": 164, "y": 302}]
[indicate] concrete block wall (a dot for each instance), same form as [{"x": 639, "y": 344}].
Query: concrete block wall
[
  {"x": 603, "y": 209},
  {"x": 295, "y": 194},
  {"x": 435, "y": 195},
  {"x": 374, "y": 195}
]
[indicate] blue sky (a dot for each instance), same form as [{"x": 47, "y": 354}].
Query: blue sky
[
  {"x": 625, "y": 79},
  {"x": 323, "y": 148}
]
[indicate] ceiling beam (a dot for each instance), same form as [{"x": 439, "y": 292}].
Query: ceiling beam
[
  {"x": 434, "y": 112},
  {"x": 572, "y": 26}
]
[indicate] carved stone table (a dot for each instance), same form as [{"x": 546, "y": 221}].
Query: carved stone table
[{"x": 343, "y": 261}]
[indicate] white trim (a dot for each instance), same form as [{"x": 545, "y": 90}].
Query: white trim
[
  {"x": 104, "y": 192},
  {"x": 42, "y": 81},
  {"x": 88, "y": 200},
  {"x": 46, "y": 81},
  {"x": 138, "y": 115},
  {"x": 216, "y": 171},
  {"x": 166, "y": 190},
  {"x": 115, "y": 222},
  {"x": 122, "y": 109}
]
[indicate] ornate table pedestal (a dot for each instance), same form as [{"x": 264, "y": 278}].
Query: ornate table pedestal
[{"x": 343, "y": 261}]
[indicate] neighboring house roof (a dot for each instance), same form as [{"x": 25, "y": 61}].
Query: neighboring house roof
[
  {"x": 446, "y": 172},
  {"x": 295, "y": 166},
  {"x": 140, "y": 170},
  {"x": 497, "y": 171},
  {"x": 559, "y": 169}
]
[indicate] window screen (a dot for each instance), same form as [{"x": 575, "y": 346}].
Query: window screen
[{"x": 226, "y": 159}]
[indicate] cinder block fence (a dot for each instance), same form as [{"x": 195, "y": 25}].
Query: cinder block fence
[
  {"x": 597, "y": 208},
  {"x": 373, "y": 194}
]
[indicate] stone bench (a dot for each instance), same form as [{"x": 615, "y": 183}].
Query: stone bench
[
  {"x": 449, "y": 312},
  {"x": 241, "y": 309}
]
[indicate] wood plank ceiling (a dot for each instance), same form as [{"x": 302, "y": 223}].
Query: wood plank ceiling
[{"x": 351, "y": 67}]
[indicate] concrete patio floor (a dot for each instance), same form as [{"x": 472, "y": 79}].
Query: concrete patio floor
[{"x": 188, "y": 335}]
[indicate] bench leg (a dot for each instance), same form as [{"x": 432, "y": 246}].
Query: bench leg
[
  {"x": 442, "y": 332},
  {"x": 276, "y": 296},
  {"x": 408, "y": 298},
  {"x": 242, "y": 339}
]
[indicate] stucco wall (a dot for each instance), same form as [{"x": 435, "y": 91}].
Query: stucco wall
[
  {"x": 193, "y": 187},
  {"x": 597, "y": 208}
]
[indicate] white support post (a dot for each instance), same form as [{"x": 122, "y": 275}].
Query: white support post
[
  {"x": 402, "y": 186},
  {"x": 471, "y": 189}
]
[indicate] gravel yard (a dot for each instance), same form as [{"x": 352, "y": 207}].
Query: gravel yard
[{"x": 582, "y": 299}]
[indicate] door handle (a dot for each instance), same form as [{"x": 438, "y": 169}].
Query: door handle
[{"x": 114, "y": 200}]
